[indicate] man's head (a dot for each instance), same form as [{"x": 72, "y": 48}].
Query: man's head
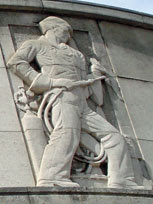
[{"x": 52, "y": 22}]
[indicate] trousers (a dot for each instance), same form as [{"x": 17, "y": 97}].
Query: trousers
[{"x": 70, "y": 115}]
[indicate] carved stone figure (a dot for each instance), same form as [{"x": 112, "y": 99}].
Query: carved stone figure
[{"x": 64, "y": 87}]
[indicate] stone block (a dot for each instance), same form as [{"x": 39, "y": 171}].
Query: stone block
[
  {"x": 99, "y": 196},
  {"x": 7, "y": 18},
  {"x": 8, "y": 115},
  {"x": 136, "y": 18},
  {"x": 88, "y": 199},
  {"x": 104, "y": 12},
  {"x": 7, "y": 47},
  {"x": 15, "y": 169},
  {"x": 22, "y": 33},
  {"x": 6, "y": 41},
  {"x": 129, "y": 49},
  {"x": 147, "y": 20},
  {"x": 14, "y": 199},
  {"x": 74, "y": 195},
  {"x": 19, "y": 3},
  {"x": 147, "y": 147},
  {"x": 2, "y": 65},
  {"x": 122, "y": 116},
  {"x": 138, "y": 96},
  {"x": 85, "y": 10}
]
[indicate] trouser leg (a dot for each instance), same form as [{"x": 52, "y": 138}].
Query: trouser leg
[
  {"x": 119, "y": 161},
  {"x": 64, "y": 140},
  {"x": 120, "y": 168},
  {"x": 58, "y": 155}
]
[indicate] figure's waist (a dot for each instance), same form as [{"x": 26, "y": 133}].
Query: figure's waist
[{"x": 75, "y": 96}]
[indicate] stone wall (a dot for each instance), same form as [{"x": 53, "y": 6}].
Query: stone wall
[
  {"x": 122, "y": 41},
  {"x": 70, "y": 196}
]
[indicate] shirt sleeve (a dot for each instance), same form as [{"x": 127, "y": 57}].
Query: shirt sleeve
[{"x": 20, "y": 62}]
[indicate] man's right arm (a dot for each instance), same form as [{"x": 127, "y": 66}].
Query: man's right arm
[
  {"x": 20, "y": 62},
  {"x": 20, "y": 65}
]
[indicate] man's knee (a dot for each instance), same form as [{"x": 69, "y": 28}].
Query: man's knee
[{"x": 113, "y": 139}]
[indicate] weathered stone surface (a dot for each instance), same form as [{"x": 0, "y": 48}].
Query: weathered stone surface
[
  {"x": 70, "y": 196},
  {"x": 14, "y": 199},
  {"x": 2, "y": 65},
  {"x": 148, "y": 21},
  {"x": 88, "y": 199},
  {"x": 147, "y": 147},
  {"x": 129, "y": 49},
  {"x": 18, "y": 3},
  {"x": 5, "y": 40},
  {"x": 100, "y": 11},
  {"x": 139, "y": 96},
  {"x": 83, "y": 8},
  {"x": 138, "y": 49},
  {"x": 8, "y": 115},
  {"x": 15, "y": 169},
  {"x": 19, "y": 18},
  {"x": 52, "y": 49},
  {"x": 22, "y": 33}
]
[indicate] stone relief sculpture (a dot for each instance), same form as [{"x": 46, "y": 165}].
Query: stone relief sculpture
[{"x": 58, "y": 95}]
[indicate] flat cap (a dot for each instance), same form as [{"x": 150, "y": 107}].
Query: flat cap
[{"x": 52, "y": 22}]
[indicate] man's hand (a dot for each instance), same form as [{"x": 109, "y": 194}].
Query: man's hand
[{"x": 96, "y": 66}]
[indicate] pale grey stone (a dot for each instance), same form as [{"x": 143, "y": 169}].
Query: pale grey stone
[
  {"x": 148, "y": 21},
  {"x": 2, "y": 65},
  {"x": 19, "y": 18},
  {"x": 70, "y": 196},
  {"x": 122, "y": 115},
  {"x": 55, "y": 168},
  {"x": 4, "y": 27},
  {"x": 15, "y": 82},
  {"x": 136, "y": 18},
  {"x": 18, "y": 3},
  {"x": 15, "y": 169},
  {"x": 22, "y": 33},
  {"x": 88, "y": 199},
  {"x": 6, "y": 42},
  {"x": 124, "y": 122},
  {"x": 138, "y": 96},
  {"x": 17, "y": 199},
  {"x": 77, "y": 195},
  {"x": 138, "y": 172},
  {"x": 91, "y": 180},
  {"x": 147, "y": 147},
  {"x": 8, "y": 116},
  {"x": 69, "y": 7},
  {"x": 94, "y": 11},
  {"x": 129, "y": 49}
]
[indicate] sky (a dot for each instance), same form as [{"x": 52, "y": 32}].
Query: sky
[{"x": 145, "y": 6}]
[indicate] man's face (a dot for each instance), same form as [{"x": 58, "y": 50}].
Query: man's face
[{"x": 62, "y": 33}]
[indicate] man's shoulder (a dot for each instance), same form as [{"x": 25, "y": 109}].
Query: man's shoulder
[
  {"x": 32, "y": 44},
  {"x": 76, "y": 51}
]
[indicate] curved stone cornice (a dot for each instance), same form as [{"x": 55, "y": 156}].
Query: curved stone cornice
[{"x": 78, "y": 8}]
